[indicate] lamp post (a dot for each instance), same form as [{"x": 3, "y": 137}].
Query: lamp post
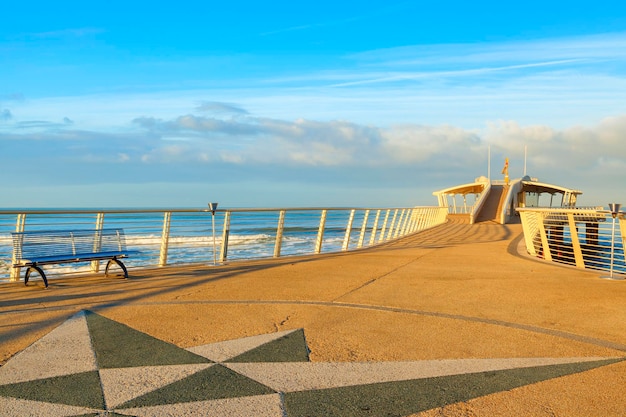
[
  {"x": 213, "y": 207},
  {"x": 614, "y": 207}
]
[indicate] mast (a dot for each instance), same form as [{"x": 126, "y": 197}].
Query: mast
[
  {"x": 489, "y": 162},
  {"x": 525, "y": 152}
]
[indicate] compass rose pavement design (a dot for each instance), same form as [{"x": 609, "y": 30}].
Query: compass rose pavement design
[{"x": 94, "y": 366}]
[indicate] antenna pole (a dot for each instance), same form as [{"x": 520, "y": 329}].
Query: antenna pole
[
  {"x": 489, "y": 162},
  {"x": 525, "y": 152}
]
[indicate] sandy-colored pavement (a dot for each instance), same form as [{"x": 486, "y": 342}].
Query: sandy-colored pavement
[{"x": 454, "y": 292}]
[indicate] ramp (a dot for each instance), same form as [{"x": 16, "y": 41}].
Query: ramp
[{"x": 491, "y": 208}]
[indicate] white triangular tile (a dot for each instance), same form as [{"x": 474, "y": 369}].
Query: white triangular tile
[
  {"x": 258, "y": 406},
  {"x": 65, "y": 350},
  {"x": 301, "y": 376},
  {"x": 13, "y": 407},
  {"x": 223, "y": 351},
  {"x": 123, "y": 384}
]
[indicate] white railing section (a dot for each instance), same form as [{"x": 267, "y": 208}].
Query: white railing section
[
  {"x": 187, "y": 237},
  {"x": 582, "y": 237}
]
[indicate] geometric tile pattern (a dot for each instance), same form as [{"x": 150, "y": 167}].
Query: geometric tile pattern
[{"x": 94, "y": 366}]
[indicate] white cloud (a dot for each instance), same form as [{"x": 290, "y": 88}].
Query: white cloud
[{"x": 335, "y": 152}]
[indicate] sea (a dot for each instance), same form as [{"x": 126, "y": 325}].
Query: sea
[{"x": 197, "y": 236}]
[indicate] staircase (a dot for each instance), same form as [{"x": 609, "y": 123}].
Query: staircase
[{"x": 492, "y": 207}]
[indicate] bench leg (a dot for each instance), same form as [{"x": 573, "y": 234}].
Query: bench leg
[
  {"x": 119, "y": 263},
  {"x": 39, "y": 271}
]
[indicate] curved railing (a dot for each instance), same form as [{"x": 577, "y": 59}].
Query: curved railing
[
  {"x": 589, "y": 238},
  {"x": 186, "y": 236}
]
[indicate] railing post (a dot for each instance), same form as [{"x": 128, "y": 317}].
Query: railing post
[
  {"x": 573, "y": 231},
  {"x": 406, "y": 221},
  {"x": 398, "y": 227},
  {"x": 165, "y": 238},
  {"x": 97, "y": 242},
  {"x": 420, "y": 213},
  {"x": 393, "y": 224},
  {"x": 547, "y": 254},
  {"x": 363, "y": 228},
  {"x": 346, "y": 238},
  {"x": 433, "y": 217},
  {"x": 225, "y": 235},
  {"x": 279, "y": 234},
  {"x": 320, "y": 233},
  {"x": 529, "y": 227},
  {"x": 412, "y": 219},
  {"x": 19, "y": 228},
  {"x": 374, "y": 228},
  {"x": 384, "y": 228}
]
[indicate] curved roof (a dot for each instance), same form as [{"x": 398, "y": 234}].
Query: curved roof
[
  {"x": 541, "y": 187},
  {"x": 475, "y": 187}
]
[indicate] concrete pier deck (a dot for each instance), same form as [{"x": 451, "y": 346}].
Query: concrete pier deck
[{"x": 453, "y": 321}]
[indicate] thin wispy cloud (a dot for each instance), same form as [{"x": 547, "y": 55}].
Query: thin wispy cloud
[
  {"x": 58, "y": 34},
  {"x": 408, "y": 76},
  {"x": 371, "y": 14},
  {"x": 609, "y": 45},
  {"x": 220, "y": 108},
  {"x": 584, "y": 54}
]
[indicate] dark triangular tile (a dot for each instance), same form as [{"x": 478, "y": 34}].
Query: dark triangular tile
[
  {"x": 119, "y": 346},
  {"x": 82, "y": 390},
  {"x": 212, "y": 383},
  {"x": 403, "y": 398},
  {"x": 289, "y": 348}
]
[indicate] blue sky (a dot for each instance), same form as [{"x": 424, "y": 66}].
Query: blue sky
[{"x": 271, "y": 104}]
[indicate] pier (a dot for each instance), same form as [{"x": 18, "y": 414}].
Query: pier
[{"x": 455, "y": 320}]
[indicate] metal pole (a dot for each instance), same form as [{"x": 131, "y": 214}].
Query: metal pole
[
  {"x": 489, "y": 163},
  {"x": 614, "y": 207},
  {"x": 213, "y": 207},
  {"x": 612, "y": 248},
  {"x": 213, "y": 230}
]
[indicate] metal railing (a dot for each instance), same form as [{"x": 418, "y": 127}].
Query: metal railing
[
  {"x": 186, "y": 237},
  {"x": 589, "y": 238}
]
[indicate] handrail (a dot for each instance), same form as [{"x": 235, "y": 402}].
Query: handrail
[
  {"x": 583, "y": 237},
  {"x": 185, "y": 236},
  {"x": 480, "y": 203}
]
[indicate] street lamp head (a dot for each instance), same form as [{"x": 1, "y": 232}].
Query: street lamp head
[
  {"x": 212, "y": 207},
  {"x": 614, "y": 207}
]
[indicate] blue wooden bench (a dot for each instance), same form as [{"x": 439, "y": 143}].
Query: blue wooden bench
[{"x": 33, "y": 249}]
